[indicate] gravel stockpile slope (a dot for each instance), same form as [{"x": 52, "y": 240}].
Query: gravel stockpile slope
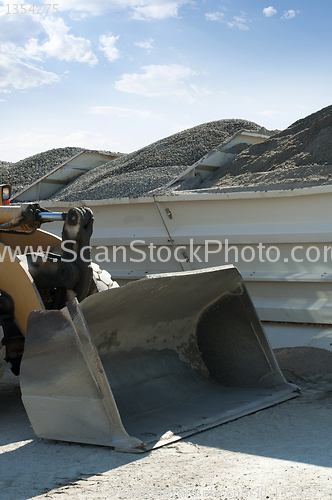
[
  {"x": 122, "y": 185},
  {"x": 5, "y": 164},
  {"x": 135, "y": 174},
  {"x": 297, "y": 157},
  {"x": 24, "y": 172}
]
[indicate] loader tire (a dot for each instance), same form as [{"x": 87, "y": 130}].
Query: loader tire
[
  {"x": 101, "y": 280},
  {"x": 2, "y": 354}
]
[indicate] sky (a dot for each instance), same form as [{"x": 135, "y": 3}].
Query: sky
[{"x": 117, "y": 75}]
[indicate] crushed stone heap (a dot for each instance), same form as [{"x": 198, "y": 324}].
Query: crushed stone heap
[
  {"x": 137, "y": 173},
  {"x": 24, "y": 172},
  {"x": 5, "y": 164},
  {"x": 299, "y": 156}
]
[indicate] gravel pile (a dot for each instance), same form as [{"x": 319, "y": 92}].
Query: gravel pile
[
  {"x": 297, "y": 157},
  {"x": 137, "y": 173},
  {"x": 24, "y": 172},
  {"x": 304, "y": 360},
  {"x": 123, "y": 185},
  {"x": 5, "y": 164}
]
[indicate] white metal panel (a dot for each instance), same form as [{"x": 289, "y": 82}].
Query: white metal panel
[
  {"x": 285, "y": 291},
  {"x": 135, "y": 221},
  {"x": 293, "y": 298},
  {"x": 296, "y": 335}
]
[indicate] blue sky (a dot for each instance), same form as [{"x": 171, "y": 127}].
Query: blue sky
[{"x": 120, "y": 74}]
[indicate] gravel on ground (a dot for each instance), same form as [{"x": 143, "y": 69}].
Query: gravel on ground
[{"x": 280, "y": 453}]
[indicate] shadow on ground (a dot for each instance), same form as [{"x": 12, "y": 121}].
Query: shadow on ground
[
  {"x": 31, "y": 466},
  {"x": 297, "y": 430}
]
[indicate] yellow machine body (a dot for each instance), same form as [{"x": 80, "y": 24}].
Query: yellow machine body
[
  {"x": 138, "y": 366},
  {"x": 15, "y": 278}
]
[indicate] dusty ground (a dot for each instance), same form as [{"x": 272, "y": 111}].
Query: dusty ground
[{"x": 283, "y": 452}]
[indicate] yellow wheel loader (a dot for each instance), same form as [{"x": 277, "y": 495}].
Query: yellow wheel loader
[{"x": 132, "y": 367}]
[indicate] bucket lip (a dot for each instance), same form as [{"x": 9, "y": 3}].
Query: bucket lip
[
  {"x": 268, "y": 398},
  {"x": 192, "y": 272}
]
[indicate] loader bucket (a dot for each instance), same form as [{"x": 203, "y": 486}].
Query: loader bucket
[{"x": 146, "y": 364}]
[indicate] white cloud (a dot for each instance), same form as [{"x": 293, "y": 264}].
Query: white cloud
[
  {"x": 107, "y": 45},
  {"x": 238, "y": 22},
  {"x": 156, "y": 11},
  {"x": 5, "y": 91},
  {"x": 15, "y": 66},
  {"x": 28, "y": 139},
  {"x": 270, "y": 113},
  {"x": 60, "y": 44},
  {"x": 199, "y": 92},
  {"x": 85, "y": 139},
  {"x": 138, "y": 9},
  {"x": 124, "y": 112},
  {"x": 78, "y": 16},
  {"x": 289, "y": 14},
  {"x": 20, "y": 75},
  {"x": 16, "y": 147},
  {"x": 17, "y": 28},
  {"x": 269, "y": 11},
  {"x": 145, "y": 45},
  {"x": 2, "y": 100},
  {"x": 160, "y": 81},
  {"x": 214, "y": 16}
]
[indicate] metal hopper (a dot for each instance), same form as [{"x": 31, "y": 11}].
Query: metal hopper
[{"x": 149, "y": 363}]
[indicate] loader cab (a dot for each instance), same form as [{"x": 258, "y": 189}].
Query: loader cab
[{"x": 5, "y": 192}]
